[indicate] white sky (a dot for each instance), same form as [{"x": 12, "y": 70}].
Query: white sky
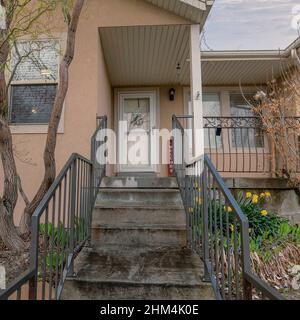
[{"x": 252, "y": 24}]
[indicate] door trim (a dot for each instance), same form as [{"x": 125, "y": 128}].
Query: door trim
[{"x": 153, "y": 94}]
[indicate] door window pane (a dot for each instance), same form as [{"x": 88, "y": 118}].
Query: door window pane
[{"x": 137, "y": 113}]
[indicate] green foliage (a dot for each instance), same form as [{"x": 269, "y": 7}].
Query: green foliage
[
  {"x": 67, "y": 6},
  {"x": 55, "y": 259},
  {"x": 262, "y": 222},
  {"x": 268, "y": 232},
  {"x": 58, "y": 239},
  {"x": 58, "y": 234}
]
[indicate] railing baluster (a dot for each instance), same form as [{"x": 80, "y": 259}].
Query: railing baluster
[
  {"x": 45, "y": 253},
  {"x": 58, "y": 248},
  {"x": 222, "y": 254},
  {"x": 215, "y": 235},
  {"x": 236, "y": 259},
  {"x": 64, "y": 232},
  {"x": 52, "y": 246}
]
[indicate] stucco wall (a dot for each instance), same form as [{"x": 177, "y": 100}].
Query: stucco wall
[{"x": 90, "y": 91}]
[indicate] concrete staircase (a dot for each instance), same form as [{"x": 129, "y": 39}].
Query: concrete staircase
[{"x": 138, "y": 246}]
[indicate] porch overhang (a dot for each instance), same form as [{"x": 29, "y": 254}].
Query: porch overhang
[
  {"x": 147, "y": 55},
  {"x": 234, "y": 68},
  {"x": 193, "y": 10}
]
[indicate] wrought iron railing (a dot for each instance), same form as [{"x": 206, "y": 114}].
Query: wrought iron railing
[
  {"x": 217, "y": 228},
  {"x": 235, "y": 144},
  {"x": 61, "y": 226}
]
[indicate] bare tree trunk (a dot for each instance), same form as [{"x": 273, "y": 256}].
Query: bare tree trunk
[
  {"x": 49, "y": 152},
  {"x": 8, "y": 231}
]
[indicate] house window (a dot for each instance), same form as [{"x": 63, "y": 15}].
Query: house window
[
  {"x": 212, "y": 108},
  {"x": 245, "y": 132},
  {"x": 34, "y": 82}
]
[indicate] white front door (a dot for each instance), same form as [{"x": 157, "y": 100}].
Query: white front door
[{"x": 137, "y": 119}]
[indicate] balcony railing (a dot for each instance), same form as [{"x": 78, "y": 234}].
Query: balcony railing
[{"x": 234, "y": 144}]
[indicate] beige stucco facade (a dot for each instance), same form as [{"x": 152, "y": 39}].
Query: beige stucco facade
[{"x": 90, "y": 92}]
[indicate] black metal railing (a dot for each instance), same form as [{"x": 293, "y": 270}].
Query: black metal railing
[
  {"x": 234, "y": 144},
  {"x": 217, "y": 229},
  {"x": 61, "y": 226}
]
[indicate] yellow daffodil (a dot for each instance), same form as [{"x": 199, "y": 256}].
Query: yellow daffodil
[
  {"x": 196, "y": 184},
  {"x": 255, "y": 198},
  {"x": 264, "y": 213},
  {"x": 262, "y": 195},
  {"x": 248, "y": 195},
  {"x": 268, "y": 194},
  {"x": 198, "y": 200},
  {"x": 229, "y": 209},
  {"x": 191, "y": 210},
  {"x": 232, "y": 228}
]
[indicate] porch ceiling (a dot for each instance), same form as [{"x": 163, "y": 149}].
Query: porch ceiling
[
  {"x": 248, "y": 67},
  {"x": 146, "y": 55}
]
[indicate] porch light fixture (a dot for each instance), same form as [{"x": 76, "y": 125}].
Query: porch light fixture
[{"x": 172, "y": 93}]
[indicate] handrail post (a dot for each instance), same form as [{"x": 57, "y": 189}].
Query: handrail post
[
  {"x": 91, "y": 200},
  {"x": 246, "y": 264},
  {"x": 72, "y": 218},
  {"x": 205, "y": 224},
  {"x": 34, "y": 258}
]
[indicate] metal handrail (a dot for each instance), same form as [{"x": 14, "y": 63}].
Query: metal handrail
[
  {"x": 224, "y": 248},
  {"x": 61, "y": 226}
]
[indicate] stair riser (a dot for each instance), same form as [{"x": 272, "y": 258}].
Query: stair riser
[
  {"x": 77, "y": 290},
  {"x": 133, "y": 198},
  {"x": 111, "y": 216},
  {"x": 138, "y": 237},
  {"x": 138, "y": 182}
]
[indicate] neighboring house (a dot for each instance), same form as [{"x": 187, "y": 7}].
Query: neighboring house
[{"x": 130, "y": 54}]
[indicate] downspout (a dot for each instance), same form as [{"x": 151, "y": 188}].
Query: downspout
[{"x": 295, "y": 57}]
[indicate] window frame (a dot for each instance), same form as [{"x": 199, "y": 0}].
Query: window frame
[
  {"x": 240, "y": 149},
  {"x": 33, "y": 127}
]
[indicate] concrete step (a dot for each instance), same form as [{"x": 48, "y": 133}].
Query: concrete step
[
  {"x": 136, "y": 182},
  {"x": 139, "y": 235},
  {"x": 138, "y": 197},
  {"x": 124, "y": 272},
  {"x": 129, "y": 215}
]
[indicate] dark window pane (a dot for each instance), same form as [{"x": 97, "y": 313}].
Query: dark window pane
[{"x": 32, "y": 103}]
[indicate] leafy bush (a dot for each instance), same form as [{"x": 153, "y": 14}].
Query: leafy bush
[
  {"x": 58, "y": 239},
  {"x": 262, "y": 222}
]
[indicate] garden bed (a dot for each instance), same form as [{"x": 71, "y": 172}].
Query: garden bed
[
  {"x": 274, "y": 244},
  {"x": 15, "y": 263}
]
